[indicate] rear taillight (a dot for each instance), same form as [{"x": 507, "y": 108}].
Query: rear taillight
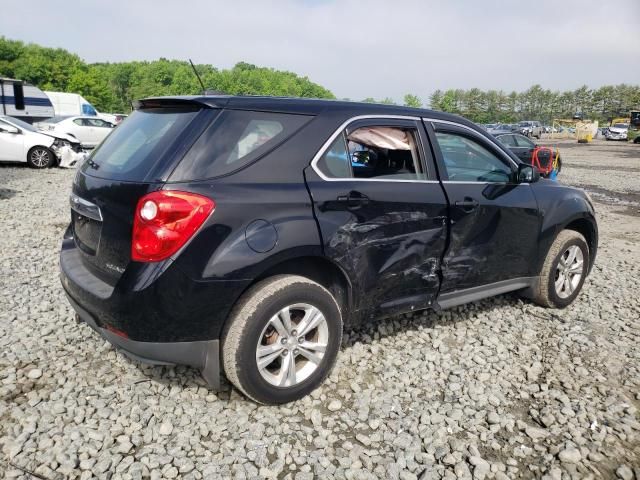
[{"x": 164, "y": 221}]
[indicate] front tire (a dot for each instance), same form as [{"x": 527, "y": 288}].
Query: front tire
[
  {"x": 564, "y": 271},
  {"x": 282, "y": 339},
  {"x": 40, "y": 157}
]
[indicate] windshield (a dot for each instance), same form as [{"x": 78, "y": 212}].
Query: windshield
[
  {"x": 620, "y": 125},
  {"x": 21, "y": 124},
  {"x": 138, "y": 145}
]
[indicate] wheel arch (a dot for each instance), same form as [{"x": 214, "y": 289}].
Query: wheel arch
[
  {"x": 319, "y": 269},
  {"x": 588, "y": 230}
]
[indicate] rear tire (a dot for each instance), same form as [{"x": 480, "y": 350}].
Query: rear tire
[
  {"x": 563, "y": 273},
  {"x": 264, "y": 354},
  {"x": 40, "y": 157}
]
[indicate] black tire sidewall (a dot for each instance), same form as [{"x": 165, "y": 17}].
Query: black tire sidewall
[
  {"x": 248, "y": 373},
  {"x": 52, "y": 157},
  {"x": 553, "y": 296}
]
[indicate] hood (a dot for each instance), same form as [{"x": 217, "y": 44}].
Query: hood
[{"x": 60, "y": 136}]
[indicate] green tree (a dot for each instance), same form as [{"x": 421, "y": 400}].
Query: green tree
[
  {"x": 411, "y": 100},
  {"x": 111, "y": 87}
]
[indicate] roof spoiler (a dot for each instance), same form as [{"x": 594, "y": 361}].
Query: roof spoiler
[{"x": 177, "y": 102}]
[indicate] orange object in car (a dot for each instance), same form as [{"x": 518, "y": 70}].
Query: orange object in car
[{"x": 544, "y": 159}]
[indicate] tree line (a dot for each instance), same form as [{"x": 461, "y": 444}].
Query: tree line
[
  {"x": 111, "y": 87},
  {"x": 486, "y": 106}
]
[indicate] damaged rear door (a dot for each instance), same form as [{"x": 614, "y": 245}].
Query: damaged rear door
[{"x": 382, "y": 213}]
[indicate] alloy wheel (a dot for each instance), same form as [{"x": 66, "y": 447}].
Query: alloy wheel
[
  {"x": 569, "y": 271},
  {"x": 292, "y": 345},
  {"x": 40, "y": 157}
]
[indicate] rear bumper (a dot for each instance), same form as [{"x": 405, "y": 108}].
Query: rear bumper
[
  {"x": 204, "y": 355},
  {"x": 150, "y": 303}
]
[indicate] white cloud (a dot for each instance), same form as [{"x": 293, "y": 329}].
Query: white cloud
[{"x": 358, "y": 49}]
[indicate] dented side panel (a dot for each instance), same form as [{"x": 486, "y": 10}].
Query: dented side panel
[{"x": 391, "y": 246}]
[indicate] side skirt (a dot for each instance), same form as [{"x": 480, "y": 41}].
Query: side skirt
[{"x": 460, "y": 297}]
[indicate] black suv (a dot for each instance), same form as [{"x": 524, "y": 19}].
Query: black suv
[{"x": 239, "y": 235}]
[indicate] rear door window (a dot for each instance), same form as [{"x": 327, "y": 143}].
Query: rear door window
[
  {"x": 508, "y": 140},
  {"x": 235, "y": 139},
  {"x": 374, "y": 152}
]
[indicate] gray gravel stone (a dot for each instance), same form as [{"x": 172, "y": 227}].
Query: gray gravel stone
[
  {"x": 165, "y": 428},
  {"x": 493, "y": 418},
  {"x": 34, "y": 373},
  {"x": 624, "y": 472},
  {"x": 570, "y": 455}
]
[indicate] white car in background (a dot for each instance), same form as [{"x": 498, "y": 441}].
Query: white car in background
[
  {"x": 617, "y": 131},
  {"x": 20, "y": 142},
  {"x": 90, "y": 131}
]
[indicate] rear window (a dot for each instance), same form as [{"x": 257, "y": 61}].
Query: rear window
[
  {"x": 235, "y": 139},
  {"x": 140, "y": 143}
]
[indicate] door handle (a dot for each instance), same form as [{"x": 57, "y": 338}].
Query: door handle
[
  {"x": 353, "y": 199},
  {"x": 468, "y": 204}
]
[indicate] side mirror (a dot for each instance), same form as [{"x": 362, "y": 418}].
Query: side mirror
[
  {"x": 9, "y": 129},
  {"x": 527, "y": 173}
]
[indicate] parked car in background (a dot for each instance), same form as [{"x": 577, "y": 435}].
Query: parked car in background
[
  {"x": 21, "y": 142},
  {"x": 530, "y": 128},
  {"x": 524, "y": 149},
  {"x": 22, "y": 100},
  {"x": 617, "y": 131},
  {"x": 240, "y": 234},
  {"x": 500, "y": 128},
  {"x": 90, "y": 131}
]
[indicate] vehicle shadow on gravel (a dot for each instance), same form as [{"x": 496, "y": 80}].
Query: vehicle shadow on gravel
[
  {"x": 368, "y": 332},
  {"x": 376, "y": 329}
]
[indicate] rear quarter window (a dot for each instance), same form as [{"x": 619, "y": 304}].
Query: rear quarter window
[
  {"x": 235, "y": 139},
  {"x": 141, "y": 144}
]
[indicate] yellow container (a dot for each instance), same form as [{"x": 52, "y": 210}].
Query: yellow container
[{"x": 585, "y": 131}]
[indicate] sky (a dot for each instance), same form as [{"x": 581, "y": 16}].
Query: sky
[{"x": 357, "y": 49}]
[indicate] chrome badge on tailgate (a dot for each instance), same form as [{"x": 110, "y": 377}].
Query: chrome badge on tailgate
[{"x": 84, "y": 207}]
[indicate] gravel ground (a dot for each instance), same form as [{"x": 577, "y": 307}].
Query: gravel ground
[{"x": 496, "y": 389}]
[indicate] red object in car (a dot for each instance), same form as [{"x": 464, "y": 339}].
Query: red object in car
[{"x": 164, "y": 221}]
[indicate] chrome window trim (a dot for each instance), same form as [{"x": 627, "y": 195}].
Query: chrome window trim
[
  {"x": 468, "y": 182},
  {"x": 340, "y": 129},
  {"x": 455, "y": 124}
]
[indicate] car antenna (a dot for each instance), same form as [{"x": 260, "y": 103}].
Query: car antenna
[{"x": 204, "y": 90}]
